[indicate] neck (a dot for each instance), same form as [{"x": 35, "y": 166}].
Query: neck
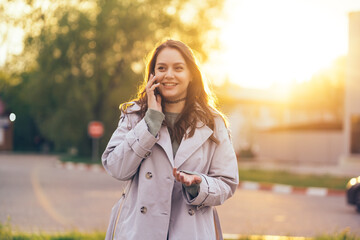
[{"x": 174, "y": 107}]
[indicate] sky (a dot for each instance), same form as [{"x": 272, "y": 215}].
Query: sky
[{"x": 276, "y": 43}]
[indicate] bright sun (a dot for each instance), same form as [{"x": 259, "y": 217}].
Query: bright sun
[{"x": 267, "y": 43}]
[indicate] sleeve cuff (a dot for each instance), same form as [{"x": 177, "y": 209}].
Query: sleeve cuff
[
  {"x": 203, "y": 193},
  {"x": 141, "y": 140},
  {"x": 154, "y": 119}
]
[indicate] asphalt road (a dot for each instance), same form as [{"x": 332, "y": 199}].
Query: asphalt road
[{"x": 38, "y": 196}]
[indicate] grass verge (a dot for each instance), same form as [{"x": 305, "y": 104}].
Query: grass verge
[
  {"x": 7, "y": 233},
  {"x": 297, "y": 180}
]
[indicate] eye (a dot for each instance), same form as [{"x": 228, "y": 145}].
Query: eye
[
  {"x": 161, "y": 68},
  {"x": 179, "y": 68}
]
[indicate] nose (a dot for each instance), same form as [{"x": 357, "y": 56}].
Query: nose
[{"x": 169, "y": 74}]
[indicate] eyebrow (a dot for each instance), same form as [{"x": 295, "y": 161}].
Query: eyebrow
[{"x": 177, "y": 63}]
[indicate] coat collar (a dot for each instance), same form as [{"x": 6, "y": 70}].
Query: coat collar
[{"x": 187, "y": 146}]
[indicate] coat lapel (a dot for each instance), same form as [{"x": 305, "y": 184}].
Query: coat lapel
[
  {"x": 189, "y": 145},
  {"x": 165, "y": 143}
]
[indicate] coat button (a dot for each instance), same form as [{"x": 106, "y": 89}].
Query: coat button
[
  {"x": 143, "y": 210},
  {"x": 147, "y": 154},
  {"x": 191, "y": 212},
  {"x": 148, "y": 175}
]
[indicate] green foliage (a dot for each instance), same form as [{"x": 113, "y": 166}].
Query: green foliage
[
  {"x": 81, "y": 61},
  {"x": 26, "y": 132}
]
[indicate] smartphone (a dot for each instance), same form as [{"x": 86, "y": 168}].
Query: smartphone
[{"x": 156, "y": 91}]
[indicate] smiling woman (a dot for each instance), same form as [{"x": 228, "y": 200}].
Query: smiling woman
[
  {"x": 174, "y": 148},
  {"x": 278, "y": 42}
]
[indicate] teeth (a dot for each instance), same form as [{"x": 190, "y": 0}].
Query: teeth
[{"x": 169, "y": 84}]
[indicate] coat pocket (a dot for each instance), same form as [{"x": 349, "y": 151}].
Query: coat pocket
[{"x": 114, "y": 217}]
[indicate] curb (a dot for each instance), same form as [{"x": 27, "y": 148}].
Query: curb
[
  {"x": 287, "y": 189},
  {"x": 246, "y": 185},
  {"x": 79, "y": 166}
]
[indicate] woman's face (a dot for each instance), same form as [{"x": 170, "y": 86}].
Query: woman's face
[{"x": 173, "y": 74}]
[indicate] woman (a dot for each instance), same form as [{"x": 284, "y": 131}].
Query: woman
[{"x": 174, "y": 147}]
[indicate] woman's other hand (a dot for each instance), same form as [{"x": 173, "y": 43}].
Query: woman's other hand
[
  {"x": 186, "y": 179},
  {"x": 154, "y": 100}
]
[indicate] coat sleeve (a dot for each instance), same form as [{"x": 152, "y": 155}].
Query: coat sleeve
[
  {"x": 222, "y": 179},
  {"x": 127, "y": 147}
]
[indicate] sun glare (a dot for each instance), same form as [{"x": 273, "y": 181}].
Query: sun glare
[{"x": 278, "y": 42}]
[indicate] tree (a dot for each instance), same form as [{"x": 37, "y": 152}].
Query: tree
[{"x": 82, "y": 61}]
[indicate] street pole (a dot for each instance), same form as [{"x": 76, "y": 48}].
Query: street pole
[
  {"x": 95, "y": 131},
  {"x": 95, "y": 149}
]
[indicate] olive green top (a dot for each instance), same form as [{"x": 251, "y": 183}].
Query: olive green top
[{"x": 154, "y": 120}]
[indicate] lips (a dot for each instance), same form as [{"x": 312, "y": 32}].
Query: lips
[{"x": 167, "y": 84}]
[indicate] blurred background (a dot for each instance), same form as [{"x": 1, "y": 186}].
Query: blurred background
[
  {"x": 285, "y": 72},
  {"x": 66, "y": 63},
  {"x": 276, "y": 66}
]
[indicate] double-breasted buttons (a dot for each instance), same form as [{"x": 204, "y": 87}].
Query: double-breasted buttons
[
  {"x": 143, "y": 210},
  {"x": 200, "y": 206},
  {"x": 148, "y": 175},
  {"x": 191, "y": 212}
]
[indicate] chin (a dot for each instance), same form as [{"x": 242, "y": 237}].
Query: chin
[{"x": 168, "y": 96}]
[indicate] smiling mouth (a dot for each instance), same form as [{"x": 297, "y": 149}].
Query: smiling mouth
[{"x": 169, "y": 84}]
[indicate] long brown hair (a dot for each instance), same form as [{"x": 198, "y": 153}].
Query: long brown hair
[{"x": 200, "y": 102}]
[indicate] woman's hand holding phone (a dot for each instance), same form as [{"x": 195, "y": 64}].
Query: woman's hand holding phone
[{"x": 154, "y": 100}]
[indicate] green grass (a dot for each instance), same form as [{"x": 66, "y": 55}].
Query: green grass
[
  {"x": 58, "y": 236},
  {"x": 340, "y": 236},
  {"x": 298, "y": 180},
  {"x": 7, "y": 233}
]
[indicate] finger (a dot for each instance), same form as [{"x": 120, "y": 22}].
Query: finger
[
  {"x": 183, "y": 180},
  {"x": 192, "y": 180},
  {"x": 150, "y": 78},
  {"x": 178, "y": 178},
  {"x": 177, "y": 175},
  {"x": 155, "y": 85},
  {"x": 188, "y": 180},
  {"x": 151, "y": 81},
  {"x": 198, "y": 180}
]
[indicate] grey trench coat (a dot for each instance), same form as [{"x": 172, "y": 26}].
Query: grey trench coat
[{"x": 155, "y": 205}]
